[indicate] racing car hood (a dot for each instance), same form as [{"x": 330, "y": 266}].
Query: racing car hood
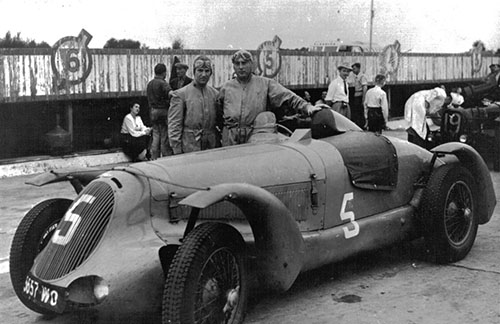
[{"x": 261, "y": 165}]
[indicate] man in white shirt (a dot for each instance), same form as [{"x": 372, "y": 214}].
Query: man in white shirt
[
  {"x": 417, "y": 107},
  {"x": 134, "y": 135},
  {"x": 376, "y": 107},
  {"x": 337, "y": 96}
]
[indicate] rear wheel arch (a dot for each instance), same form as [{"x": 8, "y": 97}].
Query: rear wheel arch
[{"x": 469, "y": 158}]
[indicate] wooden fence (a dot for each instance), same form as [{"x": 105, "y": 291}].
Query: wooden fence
[{"x": 43, "y": 74}]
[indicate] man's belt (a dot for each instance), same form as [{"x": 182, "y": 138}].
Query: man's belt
[{"x": 374, "y": 107}]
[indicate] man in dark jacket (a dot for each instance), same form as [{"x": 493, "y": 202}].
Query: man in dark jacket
[
  {"x": 182, "y": 79},
  {"x": 157, "y": 93}
]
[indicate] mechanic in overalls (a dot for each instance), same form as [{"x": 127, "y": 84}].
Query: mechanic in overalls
[{"x": 244, "y": 97}]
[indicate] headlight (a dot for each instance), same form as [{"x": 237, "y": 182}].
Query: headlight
[
  {"x": 463, "y": 138},
  {"x": 89, "y": 290},
  {"x": 101, "y": 289}
]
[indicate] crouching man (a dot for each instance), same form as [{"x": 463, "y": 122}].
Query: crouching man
[{"x": 192, "y": 117}]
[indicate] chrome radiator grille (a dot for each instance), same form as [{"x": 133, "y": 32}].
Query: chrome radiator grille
[{"x": 78, "y": 233}]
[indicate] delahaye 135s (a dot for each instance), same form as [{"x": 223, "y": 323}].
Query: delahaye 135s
[{"x": 198, "y": 225}]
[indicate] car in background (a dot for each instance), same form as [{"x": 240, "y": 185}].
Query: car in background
[
  {"x": 341, "y": 47},
  {"x": 478, "y": 127}
]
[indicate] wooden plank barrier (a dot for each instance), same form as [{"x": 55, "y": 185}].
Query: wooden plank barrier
[{"x": 76, "y": 73}]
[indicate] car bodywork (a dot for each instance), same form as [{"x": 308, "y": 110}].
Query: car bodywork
[{"x": 298, "y": 205}]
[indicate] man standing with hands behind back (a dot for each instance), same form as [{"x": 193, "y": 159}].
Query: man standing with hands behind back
[
  {"x": 337, "y": 96},
  {"x": 359, "y": 82},
  {"x": 157, "y": 92},
  {"x": 192, "y": 116}
]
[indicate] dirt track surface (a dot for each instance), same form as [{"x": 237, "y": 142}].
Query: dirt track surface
[{"x": 395, "y": 285}]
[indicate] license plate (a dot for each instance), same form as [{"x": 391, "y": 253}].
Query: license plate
[{"x": 43, "y": 294}]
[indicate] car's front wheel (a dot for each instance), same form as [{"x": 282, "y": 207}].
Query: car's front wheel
[
  {"x": 449, "y": 213},
  {"x": 207, "y": 281},
  {"x": 32, "y": 235}
]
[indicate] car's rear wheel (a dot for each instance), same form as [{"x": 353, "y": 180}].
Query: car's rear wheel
[
  {"x": 207, "y": 281},
  {"x": 32, "y": 235},
  {"x": 449, "y": 213}
]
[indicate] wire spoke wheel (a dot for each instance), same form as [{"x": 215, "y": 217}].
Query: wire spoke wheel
[
  {"x": 458, "y": 213},
  {"x": 207, "y": 282},
  {"x": 219, "y": 282},
  {"x": 448, "y": 213}
]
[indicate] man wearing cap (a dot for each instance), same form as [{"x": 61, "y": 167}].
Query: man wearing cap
[
  {"x": 337, "y": 96},
  {"x": 157, "y": 93},
  {"x": 192, "y": 116},
  {"x": 494, "y": 74},
  {"x": 494, "y": 79},
  {"x": 244, "y": 97},
  {"x": 358, "y": 82},
  {"x": 182, "y": 79}
]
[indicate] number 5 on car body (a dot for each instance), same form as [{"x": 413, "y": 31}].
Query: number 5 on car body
[{"x": 348, "y": 215}]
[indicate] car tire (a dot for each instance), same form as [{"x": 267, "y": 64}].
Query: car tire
[
  {"x": 449, "y": 213},
  {"x": 32, "y": 235},
  {"x": 208, "y": 270}
]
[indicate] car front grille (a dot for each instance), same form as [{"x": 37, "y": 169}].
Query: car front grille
[{"x": 78, "y": 233}]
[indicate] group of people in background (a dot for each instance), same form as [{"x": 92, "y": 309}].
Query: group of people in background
[
  {"x": 189, "y": 116},
  {"x": 348, "y": 94}
]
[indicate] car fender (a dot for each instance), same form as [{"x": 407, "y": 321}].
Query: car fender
[
  {"x": 277, "y": 236},
  {"x": 473, "y": 161}
]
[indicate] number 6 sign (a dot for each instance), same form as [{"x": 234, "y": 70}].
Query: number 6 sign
[{"x": 70, "y": 60}]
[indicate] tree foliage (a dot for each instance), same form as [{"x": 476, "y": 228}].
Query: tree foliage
[
  {"x": 17, "y": 41},
  {"x": 479, "y": 44},
  {"x": 178, "y": 43},
  {"x": 123, "y": 43}
]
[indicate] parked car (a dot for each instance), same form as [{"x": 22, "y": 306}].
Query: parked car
[
  {"x": 344, "y": 47},
  {"x": 198, "y": 226},
  {"x": 478, "y": 127}
]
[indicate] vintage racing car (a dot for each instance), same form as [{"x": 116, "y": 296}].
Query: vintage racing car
[
  {"x": 200, "y": 226},
  {"x": 478, "y": 127}
]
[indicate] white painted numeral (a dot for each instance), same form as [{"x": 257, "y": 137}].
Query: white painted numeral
[
  {"x": 73, "y": 219},
  {"x": 348, "y": 215}
]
